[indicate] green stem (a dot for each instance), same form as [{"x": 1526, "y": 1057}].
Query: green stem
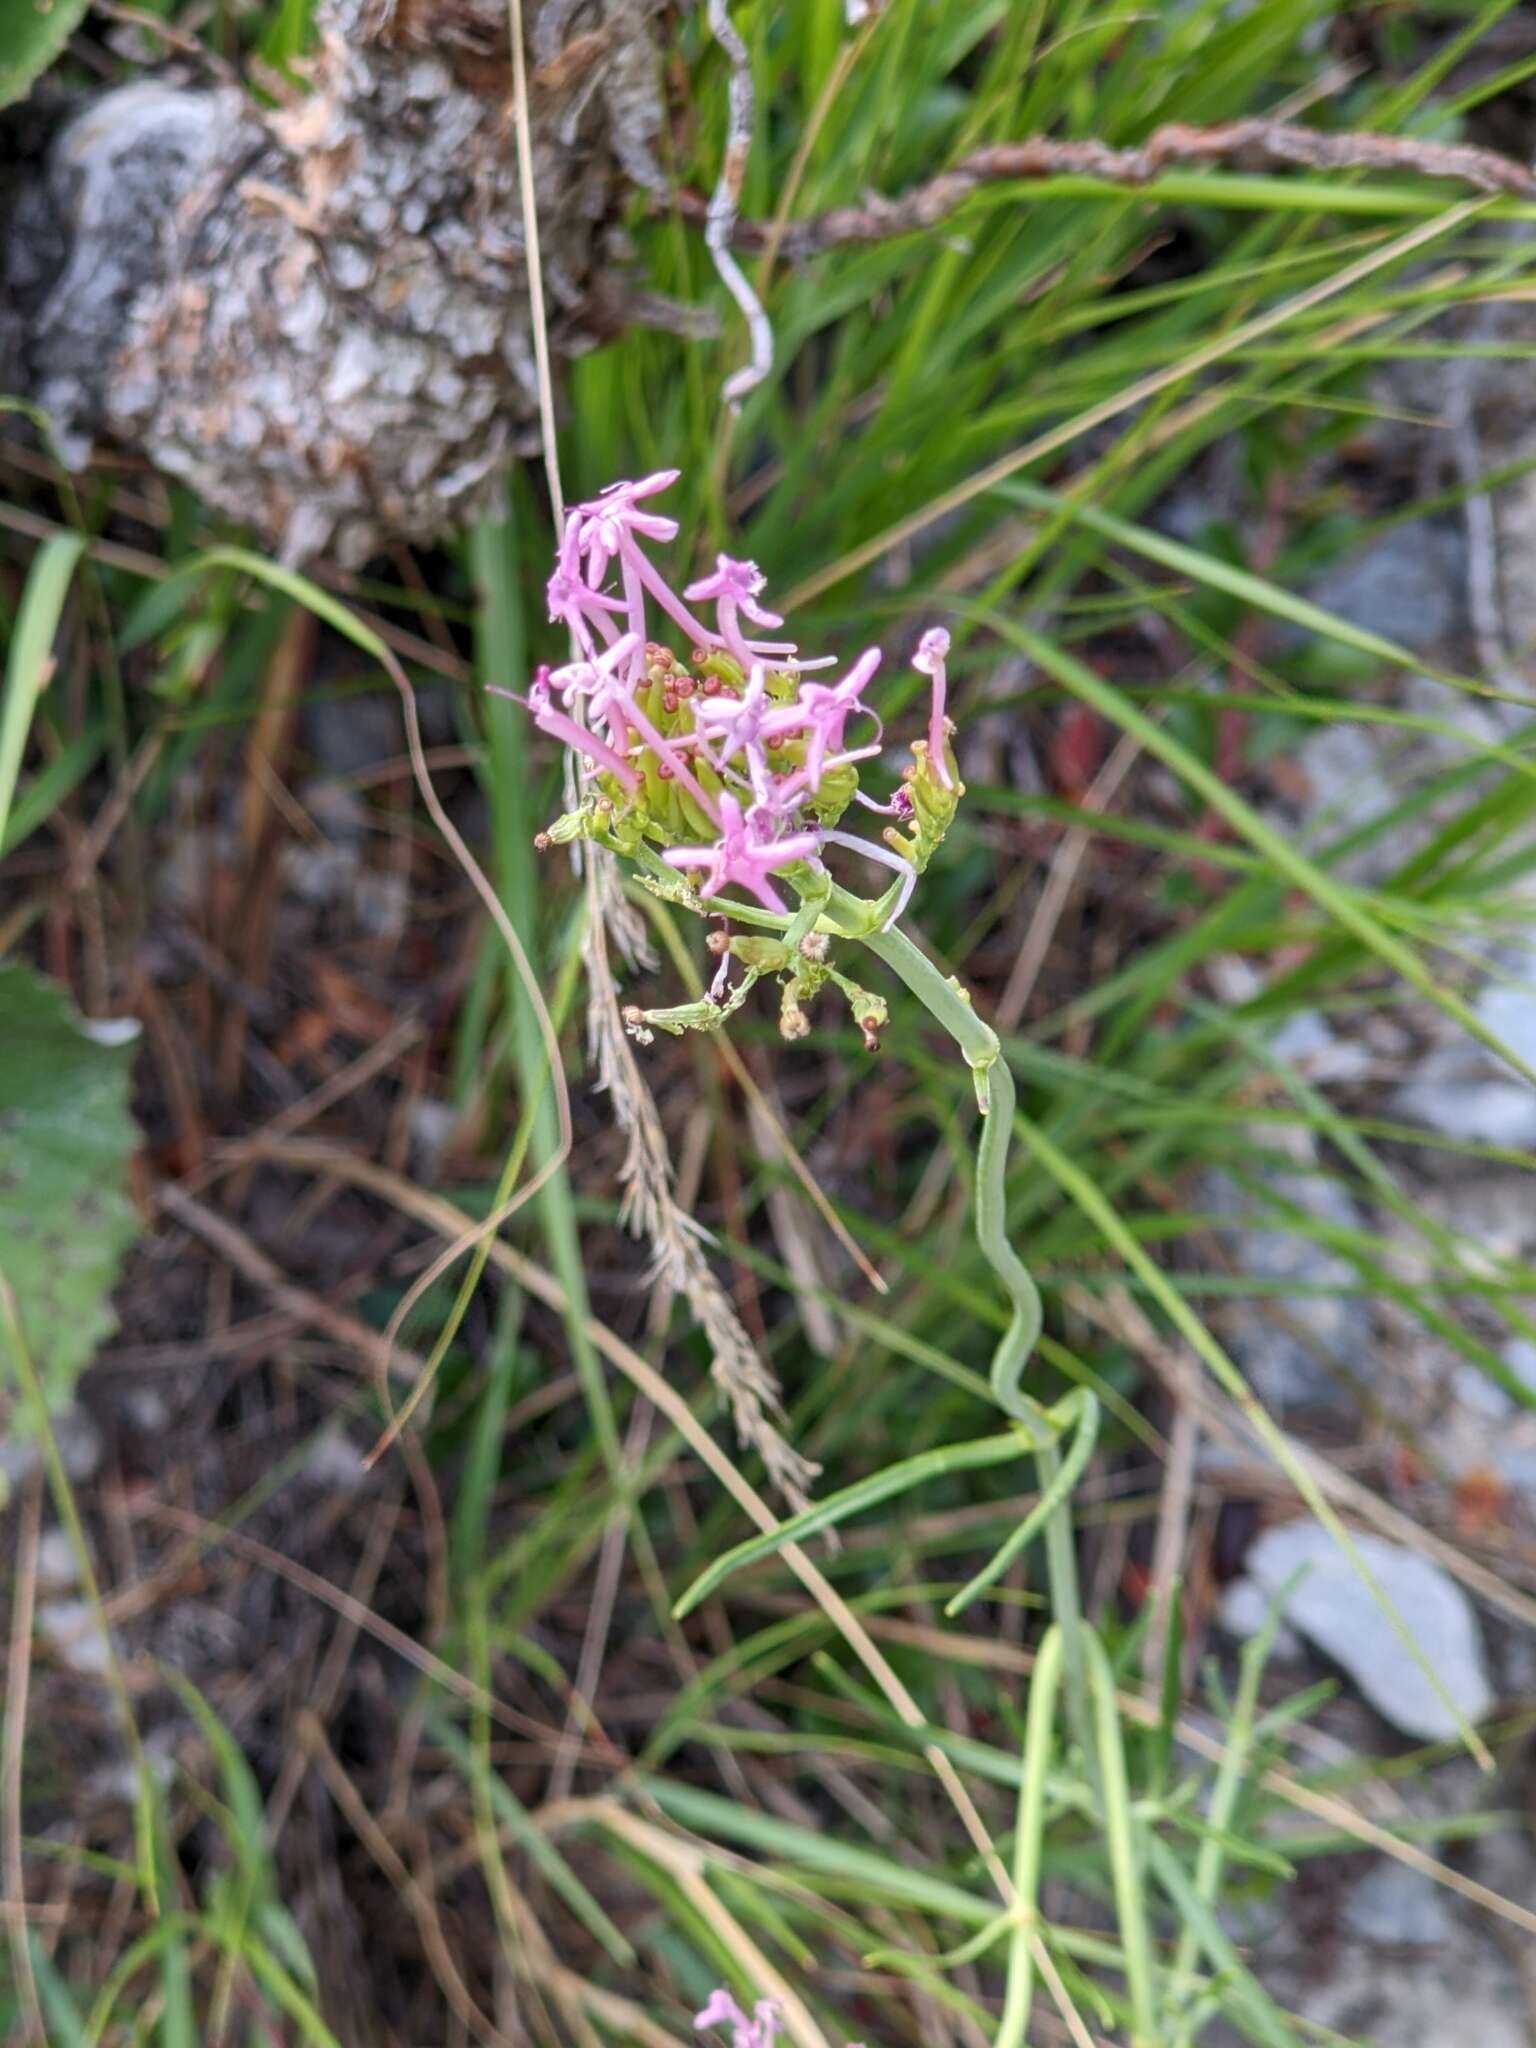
[
  {"x": 950, "y": 1007},
  {"x": 1029, "y": 1829}
]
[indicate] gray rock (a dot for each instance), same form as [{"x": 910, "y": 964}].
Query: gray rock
[
  {"x": 1286, "y": 1362},
  {"x": 1507, "y": 1007},
  {"x": 1397, "y": 1908},
  {"x": 1407, "y": 586},
  {"x": 1517, "y": 1469},
  {"x": 1245, "y": 1608},
  {"x": 58, "y": 1569},
  {"x": 80, "y": 1449},
  {"x": 1464, "y": 1993},
  {"x": 1461, "y": 1092},
  {"x": 1334, "y": 1608},
  {"x": 1466, "y": 1091},
  {"x": 1481, "y": 1396},
  {"x": 1307, "y": 1040},
  {"x": 69, "y": 1628}
]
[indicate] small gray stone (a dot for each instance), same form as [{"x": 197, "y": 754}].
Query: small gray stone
[
  {"x": 1455, "y": 1093},
  {"x": 1245, "y": 1608},
  {"x": 58, "y": 1569},
  {"x": 80, "y": 1449},
  {"x": 1407, "y": 586},
  {"x": 69, "y": 1627},
  {"x": 1465, "y": 1090},
  {"x": 1479, "y": 1395},
  {"x": 1397, "y": 1908},
  {"x": 1509, "y": 1011},
  {"x": 1287, "y": 1361},
  {"x": 335, "y": 1462},
  {"x": 1517, "y": 1469},
  {"x": 1307, "y": 1040},
  {"x": 1342, "y": 1616}
]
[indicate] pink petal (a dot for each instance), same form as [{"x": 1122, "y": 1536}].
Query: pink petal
[{"x": 721, "y": 2011}]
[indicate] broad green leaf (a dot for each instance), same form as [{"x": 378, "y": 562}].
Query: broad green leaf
[
  {"x": 65, "y": 1139},
  {"x": 32, "y": 34}
]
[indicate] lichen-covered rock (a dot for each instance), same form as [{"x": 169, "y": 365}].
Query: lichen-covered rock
[{"x": 319, "y": 316}]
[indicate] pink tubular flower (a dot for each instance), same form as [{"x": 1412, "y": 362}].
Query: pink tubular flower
[
  {"x": 744, "y": 726},
  {"x": 827, "y": 707},
  {"x": 932, "y": 653},
  {"x": 605, "y": 523},
  {"x": 596, "y": 680},
  {"x": 726, "y": 758},
  {"x": 576, "y": 607},
  {"x": 576, "y": 737},
  {"x": 733, "y": 590},
  {"x": 761, "y": 2031},
  {"x": 742, "y": 857}
]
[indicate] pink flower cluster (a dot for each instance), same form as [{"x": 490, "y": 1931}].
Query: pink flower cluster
[
  {"x": 761, "y": 2031},
  {"x": 734, "y": 761}
]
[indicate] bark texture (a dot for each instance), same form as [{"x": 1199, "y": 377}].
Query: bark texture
[{"x": 319, "y": 316}]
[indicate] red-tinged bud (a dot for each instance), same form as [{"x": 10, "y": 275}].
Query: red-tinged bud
[
  {"x": 685, "y": 686},
  {"x": 710, "y": 685},
  {"x": 633, "y": 1015},
  {"x": 663, "y": 771},
  {"x": 717, "y": 942},
  {"x": 669, "y": 700},
  {"x": 542, "y": 842}
]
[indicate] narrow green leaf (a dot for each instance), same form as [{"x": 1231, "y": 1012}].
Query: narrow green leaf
[
  {"x": 1343, "y": 905},
  {"x": 29, "y": 662},
  {"x": 864, "y": 1493}
]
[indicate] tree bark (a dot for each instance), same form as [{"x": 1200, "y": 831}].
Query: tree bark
[{"x": 319, "y": 316}]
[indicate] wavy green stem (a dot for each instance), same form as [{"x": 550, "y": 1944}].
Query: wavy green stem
[{"x": 950, "y": 1007}]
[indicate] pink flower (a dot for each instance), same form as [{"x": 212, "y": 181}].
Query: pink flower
[
  {"x": 746, "y": 726},
  {"x": 827, "y": 707},
  {"x": 635, "y": 712},
  {"x": 761, "y": 2031},
  {"x": 597, "y": 680},
  {"x": 733, "y": 589},
  {"x": 576, "y": 607},
  {"x": 584, "y": 744},
  {"x": 932, "y": 653},
  {"x": 742, "y": 857},
  {"x": 605, "y": 523}
]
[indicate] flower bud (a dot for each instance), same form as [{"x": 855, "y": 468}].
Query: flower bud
[{"x": 793, "y": 1022}]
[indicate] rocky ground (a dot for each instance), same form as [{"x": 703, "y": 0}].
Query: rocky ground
[{"x": 1365, "y": 1946}]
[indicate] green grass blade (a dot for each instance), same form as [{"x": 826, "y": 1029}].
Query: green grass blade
[
  {"x": 850, "y": 1500},
  {"x": 1342, "y": 905},
  {"x": 29, "y": 660}
]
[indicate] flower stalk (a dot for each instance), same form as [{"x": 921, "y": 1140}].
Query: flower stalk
[{"x": 723, "y": 778}]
